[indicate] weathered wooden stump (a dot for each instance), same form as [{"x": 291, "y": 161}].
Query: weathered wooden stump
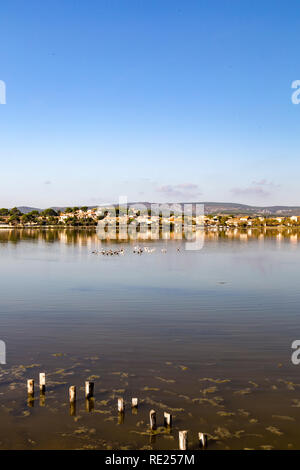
[
  {"x": 202, "y": 440},
  {"x": 72, "y": 394},
  {"x": 89, "y": 389},
  {"x": 134, "y": 402},
  {"x": 30, "y": 387},
  {"x": 152, "y": 420},
  {"x": 167, "y": 419},
  {"x": 183, "y": 440},
  {"x": 42, "y": 382},
  {"x": 121, "y": 406}
]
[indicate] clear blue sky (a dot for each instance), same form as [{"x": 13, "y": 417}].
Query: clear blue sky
[{"x": 156, "y": 100}]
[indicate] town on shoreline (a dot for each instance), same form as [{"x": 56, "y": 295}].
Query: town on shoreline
[{"x": 90, "y": 217}]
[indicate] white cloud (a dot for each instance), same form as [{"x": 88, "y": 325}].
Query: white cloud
[
  {"x": 180, "y": 191},
  {"x": 261, "y": 188}
]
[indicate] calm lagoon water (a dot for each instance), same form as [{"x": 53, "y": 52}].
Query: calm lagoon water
[{"x": 203, "y": 334}]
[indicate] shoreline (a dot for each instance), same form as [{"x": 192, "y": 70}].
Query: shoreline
[{"x": 94, "y": 227}]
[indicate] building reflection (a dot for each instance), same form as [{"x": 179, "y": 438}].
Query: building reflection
[{"x": 88, "y": 237}]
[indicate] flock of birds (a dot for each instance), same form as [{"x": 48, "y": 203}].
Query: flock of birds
[
  {"x": 109, "y": 252},
  {"x": 136, "y": 250}
]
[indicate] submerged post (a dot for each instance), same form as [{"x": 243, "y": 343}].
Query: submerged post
[
  {"x": 72, "y": 394},
  {"x": 89, "y": 389},
  {"x": 30, "y": 386},
  {"x": 152, "y": 420},
  {"x": 183, "y": 440},
  {"x": 42, "y": 382},
  {"x": 167, "y": 419},
  {"x": 202, "y": 440}
]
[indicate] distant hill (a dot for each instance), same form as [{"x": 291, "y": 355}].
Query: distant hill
[
  {"x": 209, "y": 208},
  {"x": 25, "y": 209},
  {"x": 235, "y": 208},
  {"x": 232, "y": 208}
]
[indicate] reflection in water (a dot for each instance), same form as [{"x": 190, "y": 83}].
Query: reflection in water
[
  {"x": 30, "y": 400},
  {"x": 42, "y": 398},
  {"x": 121, "y": 417},
  {"x": 88, "y": 237},
  {"x": 73, "y": 408},
  {"x": 89, "y": 404}
]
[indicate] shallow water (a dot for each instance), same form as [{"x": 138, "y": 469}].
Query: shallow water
[{"x": 205, "y": 335}]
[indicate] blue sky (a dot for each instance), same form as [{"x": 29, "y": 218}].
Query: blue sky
[{"x": 157, "y": 100}]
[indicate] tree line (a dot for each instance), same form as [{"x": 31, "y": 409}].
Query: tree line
[{"x": 46, "y": 217}]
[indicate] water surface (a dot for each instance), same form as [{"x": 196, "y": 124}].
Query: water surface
[{"x": 205, "y": 335}]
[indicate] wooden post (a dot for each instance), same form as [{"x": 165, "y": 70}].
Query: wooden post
[
  {"x": 134, "y": 402},
  {"x": 89, "y": 389},
  {"x": 183, "y": 440},
  {"x": 167, "y": 419},
  {"x": 72, "y": 394},
  {"x": 120, "y": 405},
  {"x": 42, "y": 382},
  {"x": 152, "y": 420},
  {"x": 202, "y": 440},
  {"x": 30, "y": 387}
]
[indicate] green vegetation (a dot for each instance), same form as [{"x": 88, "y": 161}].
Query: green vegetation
[{"x": 49, "y": 217}]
